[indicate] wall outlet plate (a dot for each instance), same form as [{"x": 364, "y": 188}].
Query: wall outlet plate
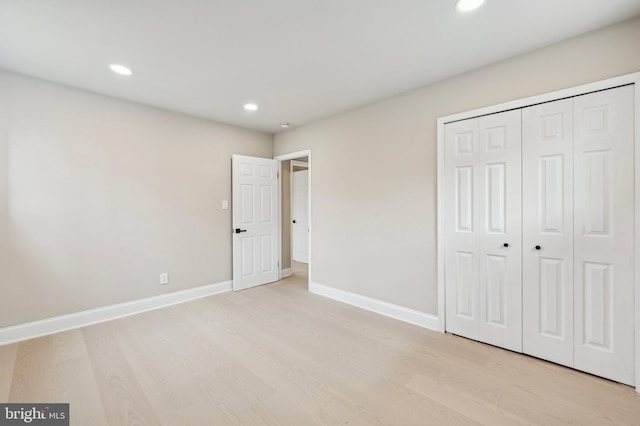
[{"x": 164, "y": 278}]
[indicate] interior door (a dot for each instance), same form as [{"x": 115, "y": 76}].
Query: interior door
[
  {"x": 482, "y": 223},
  {"x": 603, "y": 234},
  {"x": 547, "y": 207},
  {"x": 255, "y": 221},
  {"x": 300, "y": 215}
]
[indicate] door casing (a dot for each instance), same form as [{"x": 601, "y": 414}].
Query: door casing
[{"x": 293, "y": 156}]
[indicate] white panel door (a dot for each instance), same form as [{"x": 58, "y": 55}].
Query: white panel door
[
  {"x": 255, "y": 221},
  {"x": 462, "y": 242},
  {"x": 483, "y": 246},
  {"x": 603, "y": 234},
  {"x": 499, "y": 230},
  {"x": 547, "y": 208},
  {"x": 300, "y": 215}
]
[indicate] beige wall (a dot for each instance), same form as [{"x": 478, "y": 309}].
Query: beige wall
[
  {"x": 285, "y": 188},
  {"x": 99, "y": 196},
  {"x": 374, "y": 220}
]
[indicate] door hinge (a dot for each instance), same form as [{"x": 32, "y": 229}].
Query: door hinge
[
  {"x": 278, "y": 175},
  {"x": 278, "y": 264}
]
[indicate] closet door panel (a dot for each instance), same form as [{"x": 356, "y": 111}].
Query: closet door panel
[
  {"x": 461, "y": 227},
  {"x": 499, "y": 229},
  {"x": 603, "y": 232},
  {"x": 547, "y": 219}
]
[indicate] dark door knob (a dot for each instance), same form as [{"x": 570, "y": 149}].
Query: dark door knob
[
  {"x": 238, "y": 230},
  {"x": 294, "y": 221},
  {"x": 538, "y": 247},
  {"x": 506, "y": 244}
]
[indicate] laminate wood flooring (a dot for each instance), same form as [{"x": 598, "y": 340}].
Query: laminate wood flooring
[{"x": 278, "y": 355}]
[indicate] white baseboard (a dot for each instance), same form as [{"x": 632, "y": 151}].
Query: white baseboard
[
  {"x": 34, "y": 329},
  {"x": 394, "y": 311},
  {"x": 287, "y": 272}
]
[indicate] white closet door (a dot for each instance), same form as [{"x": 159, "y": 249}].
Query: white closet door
[
  {"x": 461, "y": 203},
  {"x": 499, "y": 229},
  {"x": 482, "y": 180},
  {"x": 603, "y": 232},
  {"x": 547, "y": 207}
]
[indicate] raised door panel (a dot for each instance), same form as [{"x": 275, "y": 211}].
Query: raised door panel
[
  {"x": 247, "y": 208},
  {"x": 496, "y": 198},
  {"x": 499, "y": 229},
  {"x": 463, "y": 196},
  {"x": 547, "y": 217},
  {"x": 461, "y": 228},
  {"x": 247, "y": 252},
  {"x": 551, "y": 198},
  {"x": 267, "y": 263},
  {"x": 603, "y": 232},
  {"x": 465, "y": 279},
  {"x": 266, "y": 204},
  {"x": 552, "y": 305},
  {"x": 496, "y": 273},
  {"x": 597, "y": 305}
]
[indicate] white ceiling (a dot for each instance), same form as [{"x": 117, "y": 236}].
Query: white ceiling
[{"x": 299, "y": 60}]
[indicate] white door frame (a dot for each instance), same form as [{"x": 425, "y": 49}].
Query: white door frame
[
  {"x": 633, "y": 78},
  {"x": 293, "y": 156}
]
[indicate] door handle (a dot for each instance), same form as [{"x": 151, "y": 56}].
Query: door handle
[
  {"x": 506, "y": 244},
  {"x": 238, "y": 230},
  {"x": 538, "y": 247},
  {"x": 294, "y": 221}
]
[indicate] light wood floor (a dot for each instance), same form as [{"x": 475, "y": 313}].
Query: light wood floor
[{"x": 278, "y": 355}]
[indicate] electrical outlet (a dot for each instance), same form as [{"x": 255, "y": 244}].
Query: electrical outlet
[{"x": 164, "y": 278}]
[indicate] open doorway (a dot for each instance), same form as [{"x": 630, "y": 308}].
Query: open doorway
[
  {"x": 299, "y": 206},
  {"x": 295, "y": 215}
]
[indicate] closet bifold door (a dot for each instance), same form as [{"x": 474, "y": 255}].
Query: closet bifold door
[
  {"x": 547, "y": 220},
  {"x": 603, "y": 234},
  {"x": 500, "y": 230},
  {"x": 461, "y": 228},
  {"x": 483, "y": 229}
]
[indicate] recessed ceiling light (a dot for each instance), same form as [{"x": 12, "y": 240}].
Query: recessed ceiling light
[
  {"x": 120, "y": 69},
  {"x": 285, "y": 125},
  {"x": 468, "y": 5},
  {"x": 251, "y": 107}
]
